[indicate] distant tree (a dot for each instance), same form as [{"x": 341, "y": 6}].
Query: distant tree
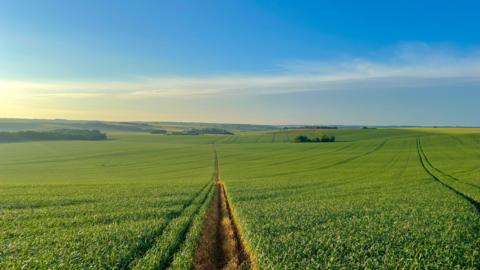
[
  {"x": 158, "y": 131},
  {"x": 324, "y": 138},
  {"x": 202, "y": 131},
  {"x": 302, "y": 139},
  {"x": 59, "y": 134},
  {"x": 311, "y": 127}
]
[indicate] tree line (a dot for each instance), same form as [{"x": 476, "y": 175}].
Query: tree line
[
  {"x": 201, "y": 131},
  {"x": 324, "y": 138},
  {"x": 312, "y": 127},
  {"x": 52, "y": 135}
]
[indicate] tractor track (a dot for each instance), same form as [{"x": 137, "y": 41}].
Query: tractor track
[
  {"x": 444, "y": 173},
  {"x": 149, "y": 240},
  {"x": 380, "y": 146},
  {"x": 426, "y": 164},
  {"x": 221, "y": 245},
  {"x": 184, "y": 232}
]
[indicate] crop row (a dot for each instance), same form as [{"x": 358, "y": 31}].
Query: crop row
[
  {"x": 87, "y": 205},
  {"x": 109, "y": 240},
  {"x": 161, "y": 254}
]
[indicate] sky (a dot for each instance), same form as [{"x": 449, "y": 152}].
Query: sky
[{"x": 264, "y": 62}]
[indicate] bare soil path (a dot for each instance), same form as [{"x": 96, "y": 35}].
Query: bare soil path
[{"x": 221, "y": 246}]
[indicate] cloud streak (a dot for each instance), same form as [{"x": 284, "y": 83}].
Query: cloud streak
[{"x": 409, "y": 65}]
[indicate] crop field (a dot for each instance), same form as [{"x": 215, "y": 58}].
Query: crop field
[
  {"x": 98, "y": 205},
  {"x": 363, "y": 203},
  {"x": 448, "y": 130},
  {"x": 376, "y": 198}
]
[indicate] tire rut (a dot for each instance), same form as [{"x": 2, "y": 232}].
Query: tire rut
[
  {"x": 221, "y": 245},
  {"x": 149, "y": 240},
  {"x": 444, "y": 173},
  {"x": 380, "y": 146},
  {"x": 426, "y": 164}
]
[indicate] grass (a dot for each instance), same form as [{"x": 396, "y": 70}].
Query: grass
[{"x": 139, "y": 200}]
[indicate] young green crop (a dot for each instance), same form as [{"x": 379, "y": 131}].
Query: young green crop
[
  {"x": 161, "y": 253},
  {"x": 139, "y": 200},
  {"x": 365, "y": 203},
  {"x": 93, "y": 204}
]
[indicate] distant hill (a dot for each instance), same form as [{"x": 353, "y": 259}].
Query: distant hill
[
  {"x": 45, "y": 124},
  {"x": 11, "y": 124},
  {"x": 203, "y": 131}
]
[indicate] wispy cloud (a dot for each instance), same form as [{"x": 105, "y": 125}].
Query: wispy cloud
[
  {"x": 408, "y": 65},
  {"x": 414, "y": 59}
]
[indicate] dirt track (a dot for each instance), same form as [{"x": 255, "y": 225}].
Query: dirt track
[{"x": 220, "y": 246}]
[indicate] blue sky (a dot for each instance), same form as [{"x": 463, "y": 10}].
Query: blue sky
[{"x": 285, "y": 62}]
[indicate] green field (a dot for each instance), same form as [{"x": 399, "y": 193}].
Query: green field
[
  {"x": 97, "y": 204},
  {"x": 365, "y": 203},
  {"x": 376, "y": 198}
]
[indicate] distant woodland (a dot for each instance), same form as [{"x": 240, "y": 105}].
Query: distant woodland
[{"x": 52, "y": 135}]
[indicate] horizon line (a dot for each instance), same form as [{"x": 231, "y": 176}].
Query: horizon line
[{"x": 233, "y": 123}]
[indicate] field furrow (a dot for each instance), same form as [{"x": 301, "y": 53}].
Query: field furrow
[
  {"x": 148, "y": 241},
  {"x": 221, "y": 246},
  {"x": 430, "y": 170},
  {"x": 350, "y": 159},
  {"x": 161, "y": 253}
]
